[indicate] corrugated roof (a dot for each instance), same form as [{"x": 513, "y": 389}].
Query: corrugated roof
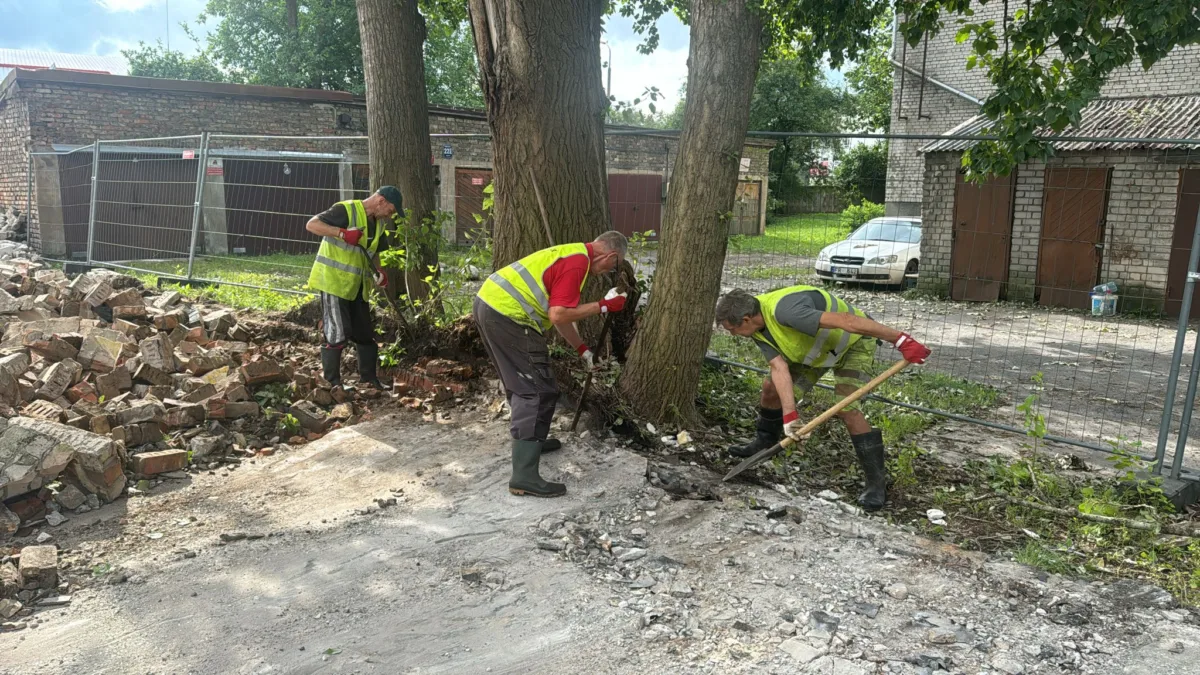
[
  {"x": 24, "y": 58},
  {"x": 1155, "y": 120}
]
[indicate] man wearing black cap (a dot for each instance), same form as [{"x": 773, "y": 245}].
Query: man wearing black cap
[{"x": 351, "y": 232}]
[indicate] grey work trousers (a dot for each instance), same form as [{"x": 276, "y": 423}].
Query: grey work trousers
[{"x": 522, "y": 358}]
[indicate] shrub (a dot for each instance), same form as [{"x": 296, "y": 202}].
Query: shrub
[
  {"x": 854, "y": 216},
  {"x": 862, "y": 172}
]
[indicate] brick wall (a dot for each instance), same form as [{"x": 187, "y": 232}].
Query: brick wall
[
  {"x": 1138, "y": 230},
  {"x": 14, "y": 152}
]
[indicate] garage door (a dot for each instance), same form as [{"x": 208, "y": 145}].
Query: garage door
[
  {"x": 1074, "y": 203},
  {"x": 635, "y": 202},
  {"x": 468, "y": 201},
  {"x": 144, "y": 207},
  {"x": 1181, "y": 241},
  {"x": 982, "y": 232},
  {"x": 267, "y": 203}
]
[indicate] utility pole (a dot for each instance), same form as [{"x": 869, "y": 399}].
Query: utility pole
[{"x": 608, "y": 88}]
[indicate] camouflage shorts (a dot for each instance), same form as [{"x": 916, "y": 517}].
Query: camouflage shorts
[{"x": 849, "y": 374}]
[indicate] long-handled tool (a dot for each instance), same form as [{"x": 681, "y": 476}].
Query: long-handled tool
[
  {"x": 383, "y": 291},
  {"x": 817, "y": 421},
  {"x": 587, "y": 383}
]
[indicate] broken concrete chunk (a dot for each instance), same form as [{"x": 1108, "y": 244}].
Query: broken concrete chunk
[
  {"x": 148, "y": 374},
  {"x": 142, "y": 411},
  {"x": 185, "y": 415},
  {"x": 98, "y": 461},
  {"x": 39, "y": 566},
  {"x": 130, "y": 297},
  {"x": 205, "y": 363},
  {"x": 220, "y": 321},
  {"x": 101, "y": 292},
  {"x": 308, "y": 415},
  {"x": 168, "y": 299},
  {"x": 138, "y": 433},
  {"x": 9, "y": 522},
  {"x": 129, "y": 312},
  {"x": 240, "y": 334},
  {"x": 69, "y": 497},
  {"x": 110, "y": 385},
  {"x": 56, "y": 379},
  {"x": 158, "y": 352},
  {"x": 101, "y": 350},
  {"x": 236, "y": 409},
  {"x": 50, "y": 347},
  {"x": 206, "y": 445},
  {"x": 200, "y": 393}
]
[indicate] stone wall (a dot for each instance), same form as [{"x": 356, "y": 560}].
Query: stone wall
[{"x": 1139, "y": 223}]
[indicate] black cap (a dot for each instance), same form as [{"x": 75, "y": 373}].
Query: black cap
[{"x": 392, "y": 194}]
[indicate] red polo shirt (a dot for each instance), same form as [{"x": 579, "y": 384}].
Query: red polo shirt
[{"x": 565, "y": 276}]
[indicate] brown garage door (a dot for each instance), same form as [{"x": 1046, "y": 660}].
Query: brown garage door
[
  {"x": 144, "y": 207},
  {"x": 1074, "y": 203},
  {"x": 745, "y": 208},
  {"x": 982, "y": 232},
  {"x": 1181, "y": 242},
  {"x": 267, "y": 203},
  {"x": 635, "y": 202},
  {"x": 468, "y": 201}
]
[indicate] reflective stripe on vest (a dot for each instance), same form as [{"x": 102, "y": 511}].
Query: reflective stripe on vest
[
  {"x": 518, "y": 291},
  {"x": 822, "y": 350},
  {"x": 341, "y": 268}
]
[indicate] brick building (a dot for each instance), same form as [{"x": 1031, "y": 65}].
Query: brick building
[
  {"x": 1094, "y": 212},
  {"x": 57, "y": 111}
]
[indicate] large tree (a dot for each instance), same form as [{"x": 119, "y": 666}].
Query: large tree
[
  {"x": 158, "y": 61},
  {"x": 393, "y": 32},
  {"x": 870, "y": 79},
  {"x": 663, "y": 371},
  {"x": 540, "y": 69}
]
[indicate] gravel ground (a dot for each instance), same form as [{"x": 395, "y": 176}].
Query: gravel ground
[{"x": 625, "y": 575}]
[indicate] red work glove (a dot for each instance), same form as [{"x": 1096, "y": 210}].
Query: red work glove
[
  {"x": 350, "y": 236},
  {"x": 585, "y": 353},
  {"x": 381, "y": 278},
  {"x": 913, "y": 351},
  {"x": 612, "y": 302},
  {"x": 792, "y": 426}
]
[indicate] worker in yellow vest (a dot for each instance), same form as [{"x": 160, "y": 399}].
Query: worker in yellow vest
[
  {"x": 804, "y": 332},
  {"x": 513, "y": 311},
  {"x": 347, "y": 262}
]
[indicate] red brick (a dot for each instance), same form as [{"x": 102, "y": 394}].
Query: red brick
[
  {"x": 150, "y": 463},
  {"x": 262, "y": 372}
]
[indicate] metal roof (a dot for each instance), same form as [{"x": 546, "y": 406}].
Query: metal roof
[
  {"x": 35, "y": 60},
  {"x": 1147, "y": 122}
]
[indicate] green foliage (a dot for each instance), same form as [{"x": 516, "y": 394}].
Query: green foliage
[
  {"x": 280, "y": 270},
  {"x": 861, "y": 174},
  {"x": 158, "y": 61},
  {"x": 792, "y": 95},
  {"x": 445, "y": 301},
  {"x": 451, "y": 71},
  {"x": 391, "y": 355},
  {"x": 1049, "y": 61},
  {"x": 855, "y": 215},
  {"x": 870, "y": 80},
  {"x": 803, "y": 235},
  {"x": 289, "y": 424},
  {"x": 275, "y": 395}
]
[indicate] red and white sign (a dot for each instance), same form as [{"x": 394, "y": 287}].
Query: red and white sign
[
  {"x": 215, "y": 171},
  {"x": 188, "y": 154},
  {"x": 477, "y": 180}
]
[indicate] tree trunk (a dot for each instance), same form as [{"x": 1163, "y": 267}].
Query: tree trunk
[
  {"x": 393, "y": 33},
  {"x": 663, "y": 371},
  {"x": 539, "y": 62}
]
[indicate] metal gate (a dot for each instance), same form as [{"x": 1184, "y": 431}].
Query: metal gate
[
  {"x": 1074, "y": 204},
  {"x": 635, "y": 202},
  {"x": 981, "y": 238},
  {"x": 468, "y": 201},
  {"x": 1181, "y": 241}
]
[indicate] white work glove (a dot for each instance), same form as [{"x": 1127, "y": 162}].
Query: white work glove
[
  {"x": 792, "y": 426},
  {"x": 613, "y": 301},
  {"x": 585, "y": 353}
]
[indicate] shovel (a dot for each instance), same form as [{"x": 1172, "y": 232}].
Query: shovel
[{"x": 817, "y": 421}]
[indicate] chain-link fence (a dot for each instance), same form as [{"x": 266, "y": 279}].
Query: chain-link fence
[{"x": 999, "y": 278}]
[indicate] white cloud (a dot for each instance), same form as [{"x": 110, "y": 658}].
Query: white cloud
[
  {"x": 633, "y": 73},
  {"x": 126, "y": 5}
]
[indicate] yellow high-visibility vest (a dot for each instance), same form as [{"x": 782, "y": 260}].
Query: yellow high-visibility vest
[
  {"x": 822, "y": 350},
  {"x": 342, "y": 269},
  {"x": 518, "y": 292}
]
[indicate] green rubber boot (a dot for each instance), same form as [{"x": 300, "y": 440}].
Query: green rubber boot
[
  {"x": 526, "y": 481},
  {"x": 768, "y": 431},
  {"x": 551, "y": 444},
  {"x": 869, "y": 448}
]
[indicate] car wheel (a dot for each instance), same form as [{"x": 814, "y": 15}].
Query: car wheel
[{"x": 909, "y": 281}]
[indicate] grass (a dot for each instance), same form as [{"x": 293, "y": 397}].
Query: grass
[
  {"x": 803, "y": 234},
  {"x": 766, "y": 272}
]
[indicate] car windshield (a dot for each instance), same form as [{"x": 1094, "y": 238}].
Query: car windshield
[{"x": 902, "y": 231}]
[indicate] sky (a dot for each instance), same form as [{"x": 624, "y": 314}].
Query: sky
[{"x": 105, "y": 27}]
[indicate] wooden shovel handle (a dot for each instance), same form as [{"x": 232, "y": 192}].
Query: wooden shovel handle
[{"x": 851, "y": 398}]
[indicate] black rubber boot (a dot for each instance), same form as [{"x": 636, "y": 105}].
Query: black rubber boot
[
  {"x": 526, "y": 481},
  {"x": 368, "y": 361},
  {"x": 551, "y": 444},
  {"x": 869, "y": 448},
  {"x": 769, "y": 431},
  {"x": 331, "y": 365}
]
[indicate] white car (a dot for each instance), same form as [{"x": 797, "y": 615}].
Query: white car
[{"x": 883, "y": 251}]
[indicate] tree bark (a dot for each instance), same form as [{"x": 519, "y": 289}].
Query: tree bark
[
  {"x": 539, "y": 63},
  {"x": 393, "y": 33},
  {"x": 663, "y": 372}
]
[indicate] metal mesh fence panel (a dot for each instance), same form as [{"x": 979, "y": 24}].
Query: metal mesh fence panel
[{"x": 60, "y": 196}]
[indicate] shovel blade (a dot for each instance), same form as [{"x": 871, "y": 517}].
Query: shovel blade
[{"x": 759, "y": 458}]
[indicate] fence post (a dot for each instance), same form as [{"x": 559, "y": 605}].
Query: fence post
[
  {"x": 1189, "y": 400},
  {"x": 201, "y": 172},
  {"x": 92, "y": 206},
  {"x": 29, "y": 206},
  {"x": 1185, "y": 310}
]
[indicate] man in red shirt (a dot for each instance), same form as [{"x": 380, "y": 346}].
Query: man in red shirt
[{"x": 513, "y": 311}]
